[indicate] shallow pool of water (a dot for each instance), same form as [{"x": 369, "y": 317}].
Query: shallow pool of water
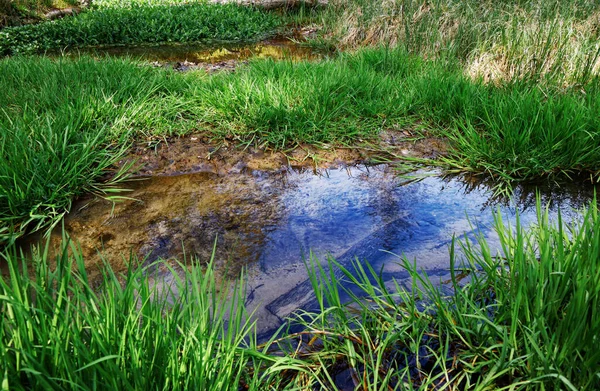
[
  {"x": 185, "y": 56},
  {"x": 269, "y": 222}
]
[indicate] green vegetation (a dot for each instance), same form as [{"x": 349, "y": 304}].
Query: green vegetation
[
  {"x": 512, "y": 85},
  {"x": 524, "y": 319},
  {"x": 15, "y": 12},
  {"x": 100, "y": 4},
  {"x": 59, "y": 333},
  {"x": 58, "y": 116},
  {"x": 57, "y": 137},
  {"x": 119, "y": 26}
]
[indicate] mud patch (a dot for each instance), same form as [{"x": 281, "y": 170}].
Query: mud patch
[{"x": 197, "y": 153}]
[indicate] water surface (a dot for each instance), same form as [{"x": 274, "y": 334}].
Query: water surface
[{"x": 269, "y": 222}]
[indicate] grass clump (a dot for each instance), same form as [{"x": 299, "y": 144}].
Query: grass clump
[
  {"x": 128, "y": 333},
  {"x": 146, "y": 24},
  {"x": 524, "y": 319},
  {"x": 62, "y": 126}
]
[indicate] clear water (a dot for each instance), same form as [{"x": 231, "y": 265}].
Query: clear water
[{"x": 269, "y": 222}]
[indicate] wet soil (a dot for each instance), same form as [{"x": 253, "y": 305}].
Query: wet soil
[{"x": 197, "y": 153}]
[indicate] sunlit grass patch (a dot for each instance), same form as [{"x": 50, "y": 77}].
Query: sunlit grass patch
[{"x": 129, "y": 332}]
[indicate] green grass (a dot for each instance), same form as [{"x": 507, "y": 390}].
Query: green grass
[
  {"x": 100, "y": 4},
  {"x": 59, "y": 115},
  {"x": 144, "y": 24},
  {"x": 523, "y": 319},
  {"x": 59, "y": 333},
  {"x": 57, "y": 146}
]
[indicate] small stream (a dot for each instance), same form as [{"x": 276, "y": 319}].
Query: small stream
[
  {"x": 211, "y": 57},
  {"x": 268, "y": 222}
]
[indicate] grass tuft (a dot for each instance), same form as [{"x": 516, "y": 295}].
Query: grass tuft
[{"x": 128, "y": 333}]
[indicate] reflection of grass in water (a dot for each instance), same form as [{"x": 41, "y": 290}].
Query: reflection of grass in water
[
  {"x": 526, "y": 318},
  {"x": 58, "y": 115}
]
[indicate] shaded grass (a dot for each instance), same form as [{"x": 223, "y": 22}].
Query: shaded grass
[
  {"x": 512, "y": 131},
  {"x": 144, "y": 24},
  {"x": 523, "y": 319},
  {"x": 15, "y": 12}
]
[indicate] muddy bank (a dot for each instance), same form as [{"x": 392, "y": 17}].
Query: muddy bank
[{"x": 197, "y": 153}]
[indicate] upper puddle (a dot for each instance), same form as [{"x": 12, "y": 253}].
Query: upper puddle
[
  {"x": 270, "y": 221},
  {"x": 185, "y": 56}
]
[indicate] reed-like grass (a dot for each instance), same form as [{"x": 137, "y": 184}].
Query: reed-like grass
[
  {"x": 144, "y": 24},
  {"x": 130, "y": 332},
  {"x": 495, "y": 40},
  {"x": 61, "y": 131},
  {"x": 515, "y": 130}
]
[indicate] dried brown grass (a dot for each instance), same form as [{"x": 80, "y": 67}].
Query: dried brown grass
[{"x": 495, "y": 42}]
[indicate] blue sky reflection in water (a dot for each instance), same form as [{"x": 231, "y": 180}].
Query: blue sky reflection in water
[
  {"x": 371, "y": 214},
  {"x": 269, "y": 221}
]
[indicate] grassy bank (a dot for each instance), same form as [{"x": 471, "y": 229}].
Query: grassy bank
[
  {"x": 495, "y": 40},
  {"x": 59, "y": 114},
  {"x": 144, "y": 24},
  {"x": 525, "y": 319}
]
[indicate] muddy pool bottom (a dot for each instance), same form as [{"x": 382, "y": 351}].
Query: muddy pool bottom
[{"x": 269, "y": 222}]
